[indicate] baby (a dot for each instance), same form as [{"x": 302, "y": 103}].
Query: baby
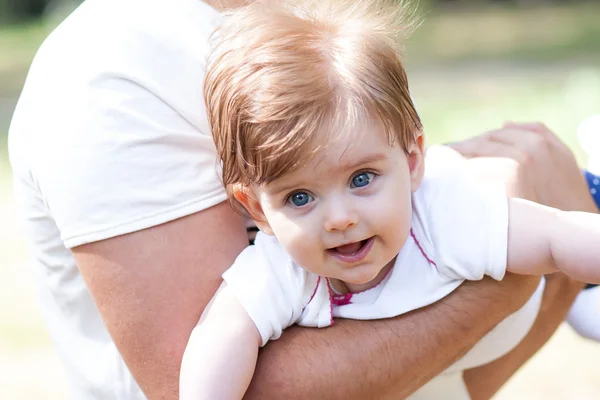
[{"x": 321, "y": 144}]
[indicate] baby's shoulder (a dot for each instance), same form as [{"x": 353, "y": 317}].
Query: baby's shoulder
[{"x": 446, "y": 180}]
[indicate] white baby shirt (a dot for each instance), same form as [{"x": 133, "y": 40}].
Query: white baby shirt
[{"x": 459, "y": 231}]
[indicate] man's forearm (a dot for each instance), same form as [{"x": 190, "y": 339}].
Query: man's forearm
[
  {"x": 560, "y": 293},
  {"x": 385, "y": 358}
]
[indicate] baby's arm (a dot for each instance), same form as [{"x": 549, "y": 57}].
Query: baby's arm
[
  {"x": 220, "y": 356},
  {"x": 542, "y": 240}
]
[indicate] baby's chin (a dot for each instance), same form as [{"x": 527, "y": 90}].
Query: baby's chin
[{"x": 363, "y": 275}]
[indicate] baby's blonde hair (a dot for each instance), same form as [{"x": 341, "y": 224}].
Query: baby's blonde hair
[{"x": 284, "y": 76}]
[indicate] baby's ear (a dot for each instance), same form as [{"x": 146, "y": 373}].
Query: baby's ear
[
  {"x": 416, "y": 162},
  {"x": 247, "y": 198}
]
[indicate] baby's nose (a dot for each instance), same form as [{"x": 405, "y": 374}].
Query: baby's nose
[{"x": 340, "y": 217}]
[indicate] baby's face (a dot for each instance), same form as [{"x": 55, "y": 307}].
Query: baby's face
[{"x": 347, "y": 213}]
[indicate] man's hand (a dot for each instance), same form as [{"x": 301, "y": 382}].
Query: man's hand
[{"x": 532, "y": 163}]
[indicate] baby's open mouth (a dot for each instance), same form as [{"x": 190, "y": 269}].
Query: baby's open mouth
[
  {"x": 352, "y": 252},
  {"x": 350, "y": 248}
]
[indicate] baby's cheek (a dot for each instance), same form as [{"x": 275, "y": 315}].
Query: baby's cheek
[
  {"x": 298, "y": 244},
  {"x": 306, "y": 256},
  {"x": 393, "y": 211},
  {"x": 305, "y": 248},
  {"x": 396, "y": 221}
]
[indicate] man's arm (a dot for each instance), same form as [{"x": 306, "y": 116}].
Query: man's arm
[
  {"x": 388, "y": 358},
  {"x": 151, "y": 287},
  {"x": 559, "y": 294}
]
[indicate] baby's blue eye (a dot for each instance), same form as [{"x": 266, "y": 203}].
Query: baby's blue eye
[
  {"x": 300, "y": 199},
  {"x": 362, "y": 179}
]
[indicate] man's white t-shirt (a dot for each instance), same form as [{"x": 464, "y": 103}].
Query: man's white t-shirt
[
  {"x": 110, "y": 136},
  {"x": 459, "y": 232}
]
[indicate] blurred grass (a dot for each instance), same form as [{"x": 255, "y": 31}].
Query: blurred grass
[
  {"x": 469, "y": 72},
  {"x": 458, "y": 103},
  {"x": 536, "y": 34},
  {"x": 18, "y": 44}
]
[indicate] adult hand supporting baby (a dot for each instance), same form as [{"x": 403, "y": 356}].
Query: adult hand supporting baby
[{"x": 532, "y": 163}]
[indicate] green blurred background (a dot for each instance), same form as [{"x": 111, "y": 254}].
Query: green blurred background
[{"x": 472, "y": 65}]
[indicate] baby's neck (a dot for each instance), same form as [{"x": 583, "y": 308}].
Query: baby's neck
[{"x": 347, "y": 287}]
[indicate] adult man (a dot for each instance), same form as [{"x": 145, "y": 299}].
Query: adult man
[{"x": 114, "y": 168}]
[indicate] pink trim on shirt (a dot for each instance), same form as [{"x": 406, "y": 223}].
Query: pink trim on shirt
[
  {"x": 412, "y": 234},
  {"x": 338, "y": 299},
  {"x": 329, "y": 289},
  {"x": 342, "y": 299}
]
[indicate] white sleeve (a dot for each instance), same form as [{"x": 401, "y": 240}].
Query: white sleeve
[
  {"x": 112, "y": 123},
  {"x": 465, "y": 222},
  {"x": 269, "y": 286}
]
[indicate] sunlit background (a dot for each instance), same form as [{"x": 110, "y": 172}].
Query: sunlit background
[{"x": 472, "y": 65}]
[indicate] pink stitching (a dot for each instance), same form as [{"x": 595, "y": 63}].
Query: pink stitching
[
  {"x": 339, "y": 299},
  {"x": 342, "y": 299},
  {"x": 412, "y": 234},
  {"x": 330, "y": 302}
]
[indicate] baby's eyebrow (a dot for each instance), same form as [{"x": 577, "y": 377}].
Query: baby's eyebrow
[
  {"x": 273, "y": 188},
  {"x": 369, "y": 158}
]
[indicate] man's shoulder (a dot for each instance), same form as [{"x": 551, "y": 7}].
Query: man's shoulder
[
  {"x": 111, "y": 53},
  {"x": 107, "y": 33}
]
